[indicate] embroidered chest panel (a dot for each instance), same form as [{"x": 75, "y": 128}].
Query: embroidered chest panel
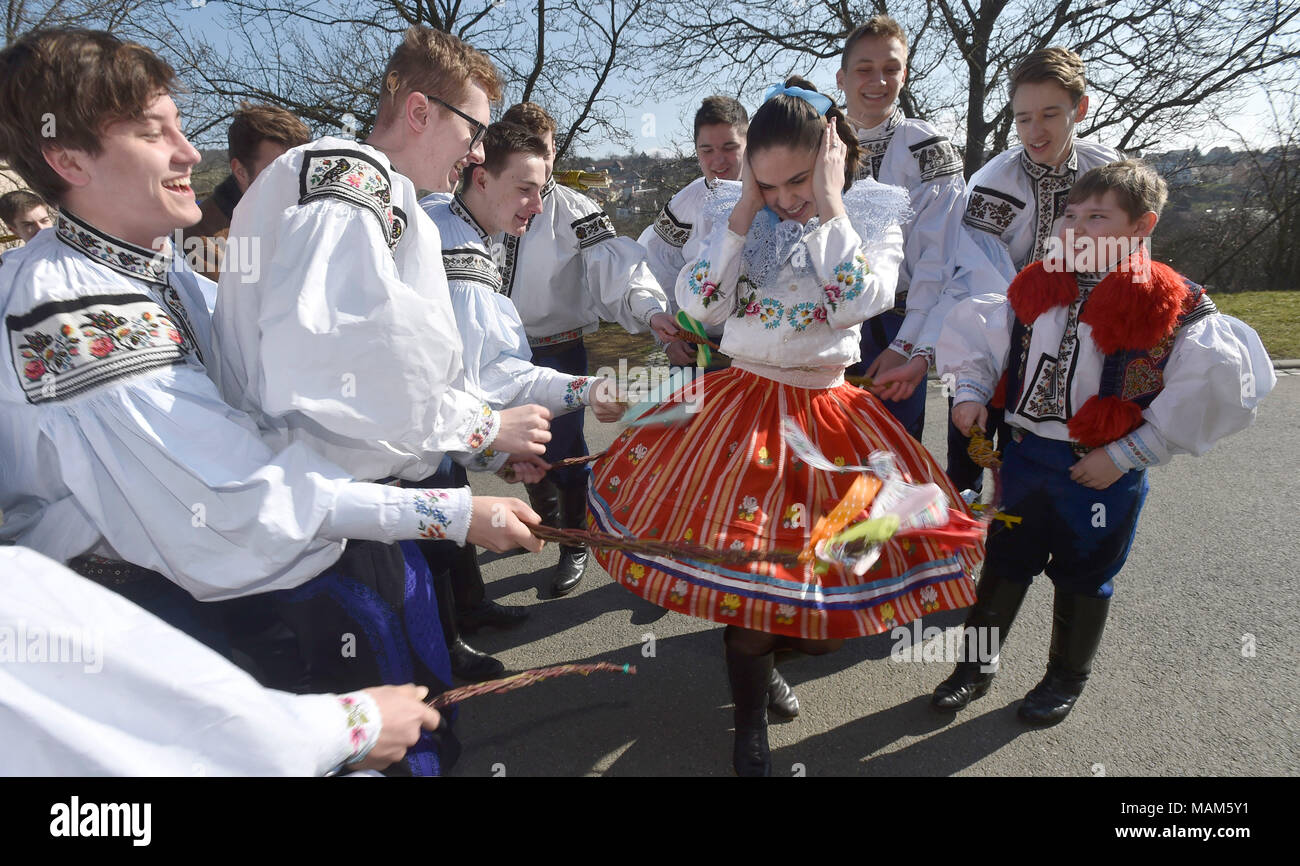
[
  {"x": 1050, "y": 193},
  {"x": 355, "y": 178},
  {"x": 990, "y": 210},
  {"x": 936, "y": 157},
  {"x": 873, "y": 149},
  {"x": 1047, "y": 395},
  {"x": 62, "y": 349},
  {"x": 670, "y": 229}
]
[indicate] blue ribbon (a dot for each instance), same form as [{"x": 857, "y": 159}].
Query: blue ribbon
[{"x": 817, "y": 100}]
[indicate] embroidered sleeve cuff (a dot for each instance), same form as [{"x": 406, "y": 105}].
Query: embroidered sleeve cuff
[
  {"x": 970, "y": 391},
  {"x": 578, "y": 392},
  {"x": 926, "y": 352},
  {"x": 902, "y": 347},
  {"x": 1137, "y": 450},
  {"x": 363, "y": 724},
  {"x": 482, "y": 430},
  {"x": 440, "y": 514}
]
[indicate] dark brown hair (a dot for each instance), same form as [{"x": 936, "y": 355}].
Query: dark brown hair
[
  {"x": 790, "y": 121},
  {"x": 62, "y": 87},
  {"x": 1059, "y": 65},
  {"x": 1137, "y": 187},
  {"x": 721, "y": 109},
  {"x": 879, "y": 26},
  {"x": 436, "y": 64},
  {"x": 19, "y": 201},
  {"x": 254, "y": 124},
  {"x": 503, "y": 139}
]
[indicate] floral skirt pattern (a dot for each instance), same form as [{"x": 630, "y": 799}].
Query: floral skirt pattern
[{"x": 727, "y": 480}]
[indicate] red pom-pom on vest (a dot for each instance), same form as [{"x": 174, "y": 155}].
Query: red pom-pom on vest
[{"x": 1102, "y": 420}]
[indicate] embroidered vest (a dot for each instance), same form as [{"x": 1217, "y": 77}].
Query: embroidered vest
[{"x": 1134, "y": 323}]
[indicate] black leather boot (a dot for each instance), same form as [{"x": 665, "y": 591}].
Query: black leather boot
[
  {"x": 467, "y": 663},
  {"x": 573, "y": 560},
  {"x": 749, "y": 676},
  {"x": 544, "y": 497},
  {"x": 781, "y": 699},
  {"x": 1077, "y": 624},
  {"x": 996, "y": 604}
]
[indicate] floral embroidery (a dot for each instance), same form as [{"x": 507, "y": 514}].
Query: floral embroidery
[
  {"x": 679, "y": 590},
  {"x": 763, "y": 459},
  {"x": 991, "y": 211},
  {"x": 803, "y": 315},
  {"x": 433, "y": 519},
  {"x": 730, "y": 604},
  {"x": 614, "y": 482},
  {"x": 554, "y": 339},
  {"x": 117, "y": 254},
  {"x": 673, "y": 231},
  {"x": 635, "y": 572},
  {"x": 770, "y": 313},
  {"x": 748, "y": 304},
  {"x": 849, "y": 277},
  {"x": 785, "y": 613},
  {"x": 63, "y": 351},
  {"x": 929, "y": 599},
  {"x": 593, "y": 229},
  {"x": 936, "y": 157},
  {"x": 574, "y": 390},
  {"x": 484, "y": 428},
  {"x": 637, "y": 454},
  {"x": 887, "y": 615},
  {"x": 737, "y": 545},
  {"x": 795, "y": 517},
  {"x": 363, "y": 727},
  {"x": 353, "y": 177},
  {"x": 748, "y": 509}
]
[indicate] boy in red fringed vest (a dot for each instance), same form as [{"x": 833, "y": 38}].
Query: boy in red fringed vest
[{"x": 1107, "y": 363}]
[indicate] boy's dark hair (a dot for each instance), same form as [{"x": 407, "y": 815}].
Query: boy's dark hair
[
  {"x": 879, "y": 26},
  {"x": 436, "y": 64},
  {"x": 531, "y": 117},
  {"x": 790, "y": 121},
  {"x": 254, "y": 124},
  {"x": 1137, "y": 187},
  {"x": 504, "y": 139},
  {"x": 19, "y": 201},
  {"x": 721, "y": 109},
  {"x": 63, "y": 87},
  {"x": 1058, "y": 65}
]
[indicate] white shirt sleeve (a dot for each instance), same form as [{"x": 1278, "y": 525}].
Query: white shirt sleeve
[
  {"x": 1217, "y": 373},
  {"x": 176, "y": 481},
  {"x": 858, "y": 280},
  {"x": 122, "y": 693},
  {"x": 348, "y": 347},
  {"x": 706, "y": 289},
  {"x": 931, "y": 237},
  {"x": 974, "y": 346}
]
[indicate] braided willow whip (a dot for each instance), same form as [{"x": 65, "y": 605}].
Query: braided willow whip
[
  {"x": 698, "y": 340},
  {"x": 527, "y": 678},
  {"x": 677, "y": 550},
  {"x": 981, "y": 450},
  {"x": 577, "y": 461}
]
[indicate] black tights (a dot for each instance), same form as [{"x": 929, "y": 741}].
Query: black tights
[{"x": 759, "y": 643}]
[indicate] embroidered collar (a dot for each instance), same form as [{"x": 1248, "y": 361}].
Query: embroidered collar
[
  {"x": 150, "y": 266},
  {"x": 548, "y": 186},
  {"x": 1038, "y": 171},
  {"x": 459, "y": 209},
  {"x": 710, "y": 184},
  {"x": 880, "y": 130}
]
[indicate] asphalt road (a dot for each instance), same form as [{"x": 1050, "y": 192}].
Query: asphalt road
[{"x": 1197, "y": 674}]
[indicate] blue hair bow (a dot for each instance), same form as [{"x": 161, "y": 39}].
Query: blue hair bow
[{"x": 817, "y": 100}]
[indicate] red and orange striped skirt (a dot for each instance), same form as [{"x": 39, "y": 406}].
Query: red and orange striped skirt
[{"x": 726, "y": 480}]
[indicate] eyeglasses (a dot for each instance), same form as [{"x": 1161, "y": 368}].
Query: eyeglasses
[{"x": 479, "y": 129}]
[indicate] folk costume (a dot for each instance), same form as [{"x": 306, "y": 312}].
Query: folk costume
[
  {"x": 568, "y": 272},
  {"x": 1012, "y": 204},
  {"x": 792, "y": 298},
  {"x": 1137, "y": 362},
  {"x": 122, "y": 693},
  {"x": 671, "y": 242},
  {"x": 912, "y": 154},
  {"x": 498, "y": 367},
  {"x": 348, "y": 342},
  {"x": 121, "y": 458}
]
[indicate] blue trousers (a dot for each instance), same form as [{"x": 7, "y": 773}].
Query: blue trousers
[
  {"x": 1079, "y": 536},
  {"x": 877, "y": 334}
]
